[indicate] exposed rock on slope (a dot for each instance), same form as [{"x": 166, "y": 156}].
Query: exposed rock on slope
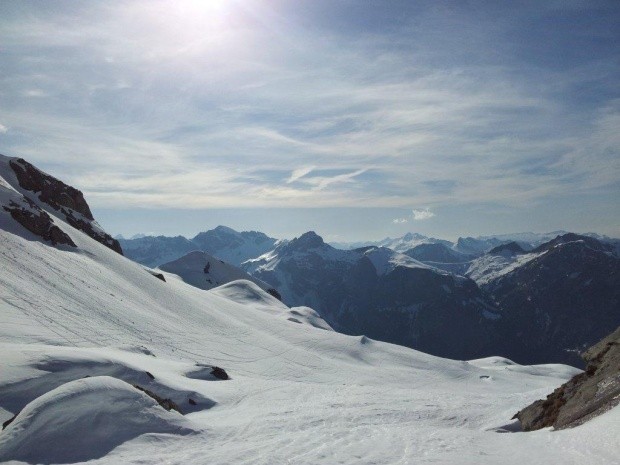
[
  {"x": 52, "y": 191},
  {"x": 46, "y": 192},
  {"x": 585, "y": 396},
  {"x": 35, "y": 220}
]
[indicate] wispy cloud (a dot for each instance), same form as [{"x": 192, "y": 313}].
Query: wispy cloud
[
  {"x": 420, "y": 214},
  {"x": 156, "y": 103},
  {"x": 300, "y": 173},
  {"x": 3, "y": 129},
  {"x": 399, "y": 220},
  {"x": 321, "y": 183}
]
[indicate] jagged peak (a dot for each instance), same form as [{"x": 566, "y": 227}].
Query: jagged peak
[{"x": 308, "y": 240}]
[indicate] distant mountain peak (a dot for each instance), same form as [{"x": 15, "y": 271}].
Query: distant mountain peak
[
  {"x": 308, "y": 240},
  {"x": 572, "y": 237},
  {"x": 225, "y": 229},
  {"x": 511, "y": 248}
]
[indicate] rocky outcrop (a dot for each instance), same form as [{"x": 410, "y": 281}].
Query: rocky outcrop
[
  {"x": 274, "y": 292},
  {"x": 38, "y": 222},
  {"x": 220, "y": 373},
  {"x": 585, "y": 396},
  {"x": 65, "y": 199},
  {"x": 51, "y": 191}
]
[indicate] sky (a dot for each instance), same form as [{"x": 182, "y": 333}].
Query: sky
[{"x": 356, "y": 119}]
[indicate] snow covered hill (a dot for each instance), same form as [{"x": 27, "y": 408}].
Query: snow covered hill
[
  {"x": 81, "y": 326},
  {"x": 204, "y": 271}
]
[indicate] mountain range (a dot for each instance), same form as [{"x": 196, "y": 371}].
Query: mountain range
[
  {"x": 470, "y": 298},
  {"x": 105, "y": 360}
]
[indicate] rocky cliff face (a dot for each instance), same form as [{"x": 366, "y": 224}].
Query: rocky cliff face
[
  {"x": 51, "y": 191},
  {"x": 585, "y": 396},
  {"x": 68, "y": 202}
]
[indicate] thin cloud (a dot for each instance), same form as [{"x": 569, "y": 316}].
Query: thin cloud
[
  {"x": 300, "y": 173},
  {"x": 399, "y": 220},
  {"x": 3, "y": 129},
  {"x": 422, "y": 214},
  {"x": 324, "y": 182},
  {"x": 35, "y": 93}
]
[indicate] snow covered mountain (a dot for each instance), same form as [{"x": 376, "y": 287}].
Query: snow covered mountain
[
  {"x": 103, "y": 363},
  {"x": 153, "y": 251},
  {"x": 441, "y": 256},
  {"x": 497, "y": 262},
  {"x": 204, "y": 271},
  {"x": 409, "y": 241},
  {"x": 555, "y": 301},
  {"x": 234, "y": 247},
  {"x": 222, "y": 242},
  {"x": 399, "y": 244},
  {"x": 381, "y": 293}
]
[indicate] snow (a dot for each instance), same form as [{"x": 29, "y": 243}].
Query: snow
[
  {"x": 191, "y": 269},
  {"x": 386, "y": 260},
  {"x": 490, "y": 267},
  {"x": 85, "y": 419},
  {"x": 298, "y": 393}
]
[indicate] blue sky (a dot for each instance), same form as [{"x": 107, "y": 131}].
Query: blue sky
[{"x": 357, "y": 119}]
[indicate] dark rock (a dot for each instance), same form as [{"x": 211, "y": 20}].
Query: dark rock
[
  {"x": 52, "y": 191},
  {"x": 8, "y": 422},
  {"x": 192, "y": 401},
  {"x": 219, "y": 373},
  {"x": 87, "y": 227},
  {"x": 274, "y": 293},
  {"x": 149, "y": 375},
  {"x": 585, "y": 396},
  {"x": 38, "y": 222},
  {"x": 159, "y": 276},
  {"x": 62, "y": 198},
  {"x": 168, "y": 404}
]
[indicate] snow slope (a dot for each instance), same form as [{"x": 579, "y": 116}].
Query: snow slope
[
  {"x": 204, "y": 271},
  {"x": 297, "y": 393}
]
